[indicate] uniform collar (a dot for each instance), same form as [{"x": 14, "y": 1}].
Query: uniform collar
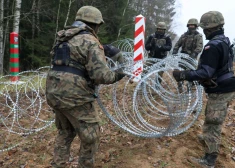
[
  {"x": 216, "y": 33},
  {"x": 191, "y": 33}
]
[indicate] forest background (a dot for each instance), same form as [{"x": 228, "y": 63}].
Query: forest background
[{"x": 37, "y": 21}]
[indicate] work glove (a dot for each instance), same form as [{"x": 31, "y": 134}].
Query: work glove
[
  {"x": 159, "y": 47},
  {"x": 119, "y": 76},
  {"x": 174, "y": 52},
  {"x": 153, "y": 43},
  {"x": 193, "y": 55},
  {"x": 180, "y": 75}
]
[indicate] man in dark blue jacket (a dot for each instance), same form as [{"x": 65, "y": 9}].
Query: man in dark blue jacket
[{"x": 215, "y": 73}]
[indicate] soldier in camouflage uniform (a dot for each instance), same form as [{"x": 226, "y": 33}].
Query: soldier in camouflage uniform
[
  {"x": 191, "y": 42},
  {"x": 159, "y": 44},
  {"x": 78, "y": 64},
  {"x": 215, "y": 73}
]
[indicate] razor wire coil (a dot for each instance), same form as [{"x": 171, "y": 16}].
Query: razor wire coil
[{"x": 156, "y": 106}]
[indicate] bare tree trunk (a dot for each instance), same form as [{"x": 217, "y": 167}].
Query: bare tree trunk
[
  {"x": 1, "y": 36},
  {"x": 6, "y": 35},
  {"x": 57, "y": 21},
  {"x": 123, "y": 14},
  {"x": 70, "y": 2},
  {"x": 38, "y": 16},
  {"x": 33, "y": 23},
  {"x": 16, "y": 21}
]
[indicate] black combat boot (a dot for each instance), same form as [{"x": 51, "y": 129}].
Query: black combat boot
[
  {"x": 211, "y": 158},
  {"x": 207, "y": 161}
]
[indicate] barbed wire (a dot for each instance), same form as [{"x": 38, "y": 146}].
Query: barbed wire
[
  {"x": 156, "y": 106},
  {"x": 24, "y": 110}
]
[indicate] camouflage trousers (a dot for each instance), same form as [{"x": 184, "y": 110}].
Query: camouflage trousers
[
  {"x": 216, "y": 111},
  {"x": 69, "y": 126}
]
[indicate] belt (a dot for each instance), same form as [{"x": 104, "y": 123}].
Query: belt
[
  {"x": 224, "y": 76},
  {"x": 69, "y": 69}
]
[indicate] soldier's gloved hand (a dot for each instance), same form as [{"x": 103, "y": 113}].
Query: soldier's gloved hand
[
  {"x": 119, "y": 70},
  {"x": 193, "y": 55},
  {"x": 153, "y": 42},
  {"x": 175, "y": 55},
  {"x": 159, "y": 46},
  {"x": 163, "y": 48},
  {"x": 119, "y": 76},
  {"x": 180, "y": 75},
  {"x": 174, "y": 52}
]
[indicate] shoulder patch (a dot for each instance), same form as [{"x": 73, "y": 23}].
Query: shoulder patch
[
  {"x": 101, "y": 47},
  {"x": 207, "y": 47}
]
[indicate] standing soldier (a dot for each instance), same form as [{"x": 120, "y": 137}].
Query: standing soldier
[
  {"x": 78, "y": 65},
  {"x": 215, "y": 73},
  {"x": 191, "y": 42},
  {"x": 159, "y": 44}
]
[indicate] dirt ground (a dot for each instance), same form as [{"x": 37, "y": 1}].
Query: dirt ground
[{"x": 119, "y": 149}]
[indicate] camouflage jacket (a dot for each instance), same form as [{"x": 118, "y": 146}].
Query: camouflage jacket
[
  {"x": 158, "y": 45},
  {"x": 66, "y": 90},
  {"x": 191, "y": 44}
]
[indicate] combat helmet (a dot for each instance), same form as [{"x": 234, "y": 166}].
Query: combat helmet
[
  {"x": 89, "y": 14},
  {"x": 192, "y": 21},
  {"x": 211, "y": 19},
  {"x": 161, "y": 25}
]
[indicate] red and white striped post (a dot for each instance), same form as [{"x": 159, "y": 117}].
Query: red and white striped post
[
  {"x": 139, "y": 47},
  {"x": 14, "y": 57}
]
